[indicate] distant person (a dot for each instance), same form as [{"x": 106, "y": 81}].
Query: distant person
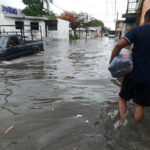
[{"x": 136, "y": 85}]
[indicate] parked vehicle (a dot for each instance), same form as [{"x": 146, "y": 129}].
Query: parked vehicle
[
  {"x": 13, "y": 46},
  {"x": 111, "y": 34}
]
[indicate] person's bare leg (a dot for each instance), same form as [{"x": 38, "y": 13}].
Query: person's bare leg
[
  {"x": 122, "y": 104},
  {"x": 138, "y": 112}
]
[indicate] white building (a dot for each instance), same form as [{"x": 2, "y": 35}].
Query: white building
[
  {"x": 92, "y": 32},
  {"x": 14, "y": 21}
]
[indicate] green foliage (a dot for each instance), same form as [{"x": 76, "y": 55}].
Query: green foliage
[
  {"x": 104, "y": 29},
  {"x": 33, "y": 8},
  {"x": 73, "y": 37},
  {"x": 74, "y": 25},
  {"x": 50, "y": 15},
  {"x": 95, "y": 23}
]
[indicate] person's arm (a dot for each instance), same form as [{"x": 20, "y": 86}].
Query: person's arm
[{"x": 121, "y": 44}]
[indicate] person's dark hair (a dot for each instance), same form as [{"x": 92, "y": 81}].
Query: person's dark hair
[{"x": 147, "y": 14}]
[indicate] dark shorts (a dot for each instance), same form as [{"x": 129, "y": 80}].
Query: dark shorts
[{"x": 139, "y": 92}]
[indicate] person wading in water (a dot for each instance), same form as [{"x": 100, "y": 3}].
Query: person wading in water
[{"x": 136, "y": 85}]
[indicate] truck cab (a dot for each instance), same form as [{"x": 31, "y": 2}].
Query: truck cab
[
  {"x": 111, "y": 34},
  {"x": 13, "y": 46}
]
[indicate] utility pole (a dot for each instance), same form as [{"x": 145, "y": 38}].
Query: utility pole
[
  {"x": 115, "y": 6},
  {"x": 116, "y": 24},
  {"x": 79, "y": 29},
  {"x": 116, "y": 20},
  {"x": 116, "y": 16},
  {"x": 106, "y": 7},
  {"x": 86, "y": 25},
  {"x": 80, "y": 17},
  {"x": 127, "y": 7},
  {"x": 42, "y": 4}
]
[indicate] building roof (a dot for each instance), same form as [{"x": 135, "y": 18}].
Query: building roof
[
  {"x": 25, "y": 17},
  {"x": 19, "y": 15}
]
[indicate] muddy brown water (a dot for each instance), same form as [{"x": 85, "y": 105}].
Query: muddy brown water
[{"x": 65, "y": 99}]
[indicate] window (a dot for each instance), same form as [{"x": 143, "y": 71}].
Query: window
[
  {"x": 34, "y": 25},
  {"x": 3, "y": 41},
  {"x": 19, "y": 24},
  {"x": 52, "y": 26}
]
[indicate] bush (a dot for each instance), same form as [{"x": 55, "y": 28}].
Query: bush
[{"x": 73, "y": 37}]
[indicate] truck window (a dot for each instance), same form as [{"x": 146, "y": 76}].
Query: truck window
[
  {"x": 111, "y": 32},
  {"x": 3, "y": 41}
]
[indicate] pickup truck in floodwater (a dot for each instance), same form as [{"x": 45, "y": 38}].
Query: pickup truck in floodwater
[
  {"x": 12, "y": 46},
  {"x": 111, "y": 34}
]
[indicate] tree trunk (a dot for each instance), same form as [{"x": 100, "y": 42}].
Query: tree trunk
[{"x": 74, "y": 31}]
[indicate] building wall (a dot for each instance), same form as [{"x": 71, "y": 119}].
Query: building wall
[
  {"x": 62, "y": 32},
  {"x": 11, "y": 21},
  {"x": 63, "y": 29},
  {"x": 36, "y": 33},
  {"x": 92, "y": 32},
  {"x": 146, "y": 6},
  {"x": 119, "y": 28}
]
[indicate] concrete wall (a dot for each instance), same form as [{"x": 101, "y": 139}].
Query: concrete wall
[
  {"x": 62, "y": 32},
  {"x": 63, "y": 29},
  {"x": 5, "y": 20},
  {"x": 92, "y": 32}
]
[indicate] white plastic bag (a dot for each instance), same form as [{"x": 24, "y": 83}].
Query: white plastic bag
[{"x": 121, "y": 64}]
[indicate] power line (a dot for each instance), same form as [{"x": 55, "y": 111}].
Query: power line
[
  {"x": 106, "y": 7},
  {"x": 110, "y": 14},
  {"x": 112, "y": 5},
  {"x": 85, "y": 5},
  {"x": 56, "y": 5},
  {"x": 92, "y": 14}
]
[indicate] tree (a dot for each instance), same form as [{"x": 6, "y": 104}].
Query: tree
[
  {"x": 49, "y": 13},
  {"x": 81, "y": 20},
  {"x": 72, "y": 17},
  {"x": 95, "y": 23},
  {"x": 47, "y": 4},
  {"x": 33, "y": 8}
]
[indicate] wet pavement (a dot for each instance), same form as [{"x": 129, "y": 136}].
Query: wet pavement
[{"x": 65, "y": 99}]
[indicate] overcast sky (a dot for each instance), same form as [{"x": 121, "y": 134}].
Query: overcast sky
[{"x": 105, "y": 10}]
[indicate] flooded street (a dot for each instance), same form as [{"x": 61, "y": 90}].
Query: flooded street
[{"x": 65, "y": 99}]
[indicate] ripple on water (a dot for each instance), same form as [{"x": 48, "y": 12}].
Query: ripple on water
[{"x": 77, "y": 74}]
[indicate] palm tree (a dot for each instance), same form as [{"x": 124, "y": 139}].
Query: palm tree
[{"x": 47, "y": 2}]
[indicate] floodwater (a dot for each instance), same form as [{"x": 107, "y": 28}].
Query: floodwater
[{"x": 65, "y": 99}]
